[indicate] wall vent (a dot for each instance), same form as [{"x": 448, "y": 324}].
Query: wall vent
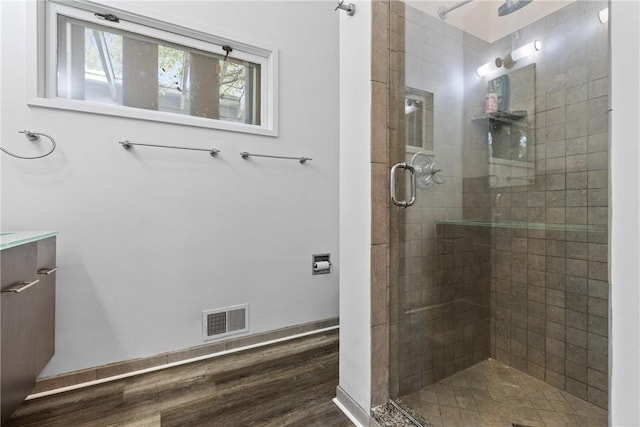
[{"x": 222, "y": 322}]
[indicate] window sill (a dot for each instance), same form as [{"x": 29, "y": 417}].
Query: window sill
[{"x": 150, "y": 115}]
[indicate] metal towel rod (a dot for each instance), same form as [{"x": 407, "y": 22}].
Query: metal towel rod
[
  {"x": 302, "y": 160},
  {"x": 128, "y": 144}
]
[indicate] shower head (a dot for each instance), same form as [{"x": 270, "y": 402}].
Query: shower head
[{"x": 511, "y": 6}]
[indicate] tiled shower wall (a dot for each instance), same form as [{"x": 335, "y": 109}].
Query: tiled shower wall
[
  {"x": 550, "y": 276},
  {"x": 381, "y": 328}
]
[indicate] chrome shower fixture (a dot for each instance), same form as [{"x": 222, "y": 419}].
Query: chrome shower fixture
[
  {"x": 411, "y": 105},
  {"x": 511, "y": 6},
  {"x": 508, "y": 7},
  {"x": 349, "y": 8},
  {"x": 443, "y": 11}
]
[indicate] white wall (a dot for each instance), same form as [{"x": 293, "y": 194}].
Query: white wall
[
  {"x": 355, "y": 205},
  {"x": 625, "y": 214},
  {"x": 150, "y": 238}
]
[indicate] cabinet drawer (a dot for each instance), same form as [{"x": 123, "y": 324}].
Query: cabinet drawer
[{"x": 18, "y": 264}]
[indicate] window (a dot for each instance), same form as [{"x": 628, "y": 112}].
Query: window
[{"x": 109, "y": 62}]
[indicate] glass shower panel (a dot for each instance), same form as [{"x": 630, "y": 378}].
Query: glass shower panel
[{"x": 501, "y": 262}]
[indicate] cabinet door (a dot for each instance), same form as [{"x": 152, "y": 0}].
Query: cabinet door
[
  {"x": 18, "y": 322},
  {"x": 45, "y": 303}
]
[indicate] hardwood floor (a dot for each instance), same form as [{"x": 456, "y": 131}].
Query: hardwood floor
[{"x": 285, "y": 384}]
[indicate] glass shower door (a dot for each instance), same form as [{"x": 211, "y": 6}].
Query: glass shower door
[{"x": 498, "y": 130}]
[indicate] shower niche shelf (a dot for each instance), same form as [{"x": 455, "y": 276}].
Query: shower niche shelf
[{"x": 511, "y": 117}]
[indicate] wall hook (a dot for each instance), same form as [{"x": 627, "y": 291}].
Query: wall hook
[{"x": 350, "y": 8}]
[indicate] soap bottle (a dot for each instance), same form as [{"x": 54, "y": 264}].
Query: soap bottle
[{"x": 491, "y": 103}]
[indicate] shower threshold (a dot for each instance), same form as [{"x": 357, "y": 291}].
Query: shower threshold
[
  {"x": 493, "y": 394},
  {"x": 394, "y": 414}
]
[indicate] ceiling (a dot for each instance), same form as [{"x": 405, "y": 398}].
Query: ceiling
[{"x": 480, "y": 17}]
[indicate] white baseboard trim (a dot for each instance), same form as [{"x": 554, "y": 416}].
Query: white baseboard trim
[
  {"x": 351, "y": 409},
  {"x": 346, "y": 412}
]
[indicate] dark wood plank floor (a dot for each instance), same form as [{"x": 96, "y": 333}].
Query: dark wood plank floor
[{"x": 286, "y": 384}]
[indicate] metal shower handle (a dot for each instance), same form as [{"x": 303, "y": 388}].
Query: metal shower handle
[{"x": 392, "y": 185}]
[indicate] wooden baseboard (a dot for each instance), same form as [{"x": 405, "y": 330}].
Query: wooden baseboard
[{"x": 75, "y": 378}]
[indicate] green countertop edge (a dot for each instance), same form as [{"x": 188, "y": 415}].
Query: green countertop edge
[{"x": 29, "y": 237}]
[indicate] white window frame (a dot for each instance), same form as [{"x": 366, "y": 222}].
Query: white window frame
[{"x": 46, "y": 87}]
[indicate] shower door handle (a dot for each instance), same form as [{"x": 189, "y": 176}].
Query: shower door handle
[{"x": 392, "y": 185}]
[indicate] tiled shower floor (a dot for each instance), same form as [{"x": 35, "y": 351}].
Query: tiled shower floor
[{"x": 492, "y": 394}]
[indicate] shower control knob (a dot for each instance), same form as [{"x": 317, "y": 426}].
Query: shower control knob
[
  {"x": 434, "y": 174},
  {"x": 425, "y": 168}
]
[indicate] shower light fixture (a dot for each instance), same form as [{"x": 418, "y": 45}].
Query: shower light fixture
[
  {"x": 526, "y": 50},
  {"x": 489, "y": 67},
  {"x": 603, "y": 15},
  {"x": 521, "y": 52},
  {"x": 510, "y": 59}
]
